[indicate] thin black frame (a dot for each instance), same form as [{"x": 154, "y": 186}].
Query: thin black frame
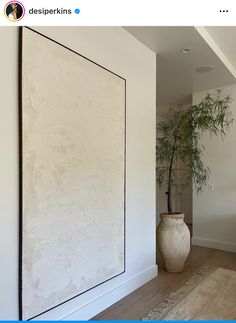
[{"x": 20, "y": 89}]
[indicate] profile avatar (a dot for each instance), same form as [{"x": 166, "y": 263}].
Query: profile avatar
[{"x": 14, "y": 11}]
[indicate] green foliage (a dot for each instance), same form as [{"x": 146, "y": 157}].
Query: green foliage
[{"x": 179, "y": 141}]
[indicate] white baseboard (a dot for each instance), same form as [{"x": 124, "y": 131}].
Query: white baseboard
[
  {"x": 215, "y": 244},
  {"x": 100, "y": 303}
]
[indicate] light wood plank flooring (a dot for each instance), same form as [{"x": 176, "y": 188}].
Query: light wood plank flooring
[{"x": 137, "y": 304}]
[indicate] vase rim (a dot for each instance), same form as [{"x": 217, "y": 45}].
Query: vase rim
[{"x": 175, "y": 215}]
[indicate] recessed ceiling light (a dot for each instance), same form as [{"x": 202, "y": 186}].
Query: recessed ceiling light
[
  {"x": 204, "y": 69},
  {"x": 185, "y": 50}
]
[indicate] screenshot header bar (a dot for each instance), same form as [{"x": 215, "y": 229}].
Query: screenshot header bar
[{"x": 117, "y": 13}]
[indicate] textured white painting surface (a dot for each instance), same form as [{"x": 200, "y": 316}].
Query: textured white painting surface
[{"x": 73, "y": 121}]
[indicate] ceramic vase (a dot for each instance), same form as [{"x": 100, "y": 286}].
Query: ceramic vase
[{"x": 173, "y": 239}]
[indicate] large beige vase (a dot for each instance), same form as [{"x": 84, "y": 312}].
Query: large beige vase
[{"x": 173, "y": 239}]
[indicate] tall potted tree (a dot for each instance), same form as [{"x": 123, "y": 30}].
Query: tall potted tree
[{"x": 178, "y": 140}]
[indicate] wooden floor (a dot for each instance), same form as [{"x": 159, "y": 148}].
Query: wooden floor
[{"x": 137, "y": 304}]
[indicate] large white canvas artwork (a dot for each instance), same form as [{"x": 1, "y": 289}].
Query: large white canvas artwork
[{"x": 73, "y": 174}]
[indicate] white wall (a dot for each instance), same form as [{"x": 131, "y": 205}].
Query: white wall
[
  {"x": 118, "y": 51},
  {"x": 214, "y": 212},
  {"x": 8, "y": 174}
]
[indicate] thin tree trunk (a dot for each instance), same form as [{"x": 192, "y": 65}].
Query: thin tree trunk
[
  {"x": 169, "y": 200},
  {"x": 169, "y": 192},
  {"x": 169, "y": 204}
]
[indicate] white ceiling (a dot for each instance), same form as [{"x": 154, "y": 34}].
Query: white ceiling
[
  {"x": 176, "y": 75},
  {"x": 225, "y": 37}
]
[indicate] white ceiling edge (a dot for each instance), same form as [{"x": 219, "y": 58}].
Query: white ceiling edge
[{"x": 215, "y": 47}]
